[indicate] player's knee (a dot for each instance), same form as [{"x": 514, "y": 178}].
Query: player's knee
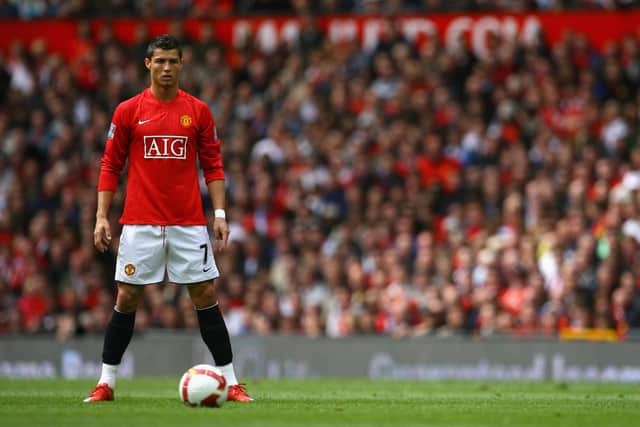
[
  {"x": 203, "y": 295},
  {"x": 128, "y": 298}
]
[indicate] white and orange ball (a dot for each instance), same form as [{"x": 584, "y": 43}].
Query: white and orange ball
[{"x": 203, "y": 385}]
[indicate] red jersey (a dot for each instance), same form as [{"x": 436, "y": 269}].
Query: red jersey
[{"x": 162, "y": 141}]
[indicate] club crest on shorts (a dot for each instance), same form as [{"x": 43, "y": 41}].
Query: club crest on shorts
[
  {"x": 129, "y": 269},
  {"x": 186, "y": 120}
]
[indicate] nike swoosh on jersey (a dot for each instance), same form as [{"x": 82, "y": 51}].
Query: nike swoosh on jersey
[
  {"x": 206, "y": 269},
  {"x": 141, "y": 122}
]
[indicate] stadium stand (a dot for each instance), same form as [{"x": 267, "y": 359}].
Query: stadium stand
[{"x": 409, "y": 189}]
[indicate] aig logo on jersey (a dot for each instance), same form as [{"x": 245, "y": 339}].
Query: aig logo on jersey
[{"x": 165, "y": 147}]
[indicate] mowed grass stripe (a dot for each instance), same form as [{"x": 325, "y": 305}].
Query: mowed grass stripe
[{"x": 154, "y": 402}]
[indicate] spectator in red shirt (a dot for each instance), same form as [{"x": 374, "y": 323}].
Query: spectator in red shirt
[{"x": 435, "y": 167}]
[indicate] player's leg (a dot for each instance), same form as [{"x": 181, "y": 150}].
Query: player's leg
[
  {"x": 140, "y": 262},
  {"x": 216, "y": 336},
  {"x": 116, "y": 339},
  {"x": 190, "y": 262}
]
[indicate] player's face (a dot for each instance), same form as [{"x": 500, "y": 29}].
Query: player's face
[{"x": 164, "y": 67}]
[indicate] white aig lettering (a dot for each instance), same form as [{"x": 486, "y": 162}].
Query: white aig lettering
[{"x": 165, "y": 147}]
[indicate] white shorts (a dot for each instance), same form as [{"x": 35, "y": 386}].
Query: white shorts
[{"x": 147, "y": 251}]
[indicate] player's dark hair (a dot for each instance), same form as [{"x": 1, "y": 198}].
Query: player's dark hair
[{"x": 164, "y": 42}]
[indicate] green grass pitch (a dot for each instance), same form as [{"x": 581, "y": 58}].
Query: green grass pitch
[{"x": 326, "y": 402}]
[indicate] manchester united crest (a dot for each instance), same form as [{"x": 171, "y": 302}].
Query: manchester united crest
[
  {"x": 186, "y": 120},
  {"x": 129, "y": 269}
]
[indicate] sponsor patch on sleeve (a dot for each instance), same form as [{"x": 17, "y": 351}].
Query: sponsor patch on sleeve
[{"x": 112, "y": 131}]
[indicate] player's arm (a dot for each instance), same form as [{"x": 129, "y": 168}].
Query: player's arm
[
  {"x": 210, "y": 155},
  {"x": 220, "y": 227},
  {"x": 102, "y": 232},
  {"x": 111, "y": 166}
]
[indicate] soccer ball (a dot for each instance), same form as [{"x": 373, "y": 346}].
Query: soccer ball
[{"x": 203, "y": 385}]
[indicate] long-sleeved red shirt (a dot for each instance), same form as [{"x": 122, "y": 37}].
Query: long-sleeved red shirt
[{"x": 162, "y": 141}]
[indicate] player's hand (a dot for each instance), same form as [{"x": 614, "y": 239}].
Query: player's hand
[
  {"x": 102, "y": 234},
  {"x": 220, "y": 233}
]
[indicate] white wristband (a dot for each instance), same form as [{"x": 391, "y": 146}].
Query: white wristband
[{"x": 219, "y": 213}]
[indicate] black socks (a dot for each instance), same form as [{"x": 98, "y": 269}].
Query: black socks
[
  {"x": 212, "y": 327},
  {"x": 117, "y": 337},
  {"x": 215, "y": 335}
]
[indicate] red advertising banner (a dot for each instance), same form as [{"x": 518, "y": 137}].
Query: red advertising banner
[{"x": 601, "y": 28}]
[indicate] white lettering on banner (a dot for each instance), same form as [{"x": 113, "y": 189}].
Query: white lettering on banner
[
  {"x": 413, "y": 27},
  {"x": 165, "y": 147},
  {"x": 562, "y": 371},
  {"x": 28, "y": 369},
  {"x": 456, "y": 28},
  {"x": 382, "y": 365},
  {"x": 342, "y": 30},
  {"x": 371, "y": 33},
  {"x": 268, "y": 36},
  {"x": 268, "y": 33},
  {"x": 509, "y": 28},
  {"x": 241, "y": 33},
  {"x": 288, "y": 369},
  {"x": 72, "y": 365},
  {"x": 482, "y": 28},
  {"x": 530, "y": 29},
  {"x": 290, "y": 32}
]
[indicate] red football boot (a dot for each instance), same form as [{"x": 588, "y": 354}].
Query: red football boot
[
  {"x": 101, "y": 392},
  {"x": 237, "y": 393}
]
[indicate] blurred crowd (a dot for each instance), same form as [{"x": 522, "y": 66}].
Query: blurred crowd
[
  {"x": 35, "y": 9},
  {"x": 407, "y": 190}
]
